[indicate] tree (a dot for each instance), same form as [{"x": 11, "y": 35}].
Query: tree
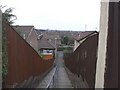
[
  {"x": 65, "y": 40},
  {"x": 8, "y": 16},
  {"x": 71, "y": 41}
]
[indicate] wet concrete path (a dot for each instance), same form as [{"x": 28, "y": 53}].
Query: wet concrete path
[{"x": 61, "y": 79}]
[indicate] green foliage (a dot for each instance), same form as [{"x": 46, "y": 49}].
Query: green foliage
[
  {"x": 8, "y": 16},
  {"x": 67, "y": 40},
  {"x": 4, "y": 55},
  {"x": 67, "y": 52},
  {"x": 71, "y": 41},
  {"x": 62, "y": 48},
  {"x": 42, "y": 56}
]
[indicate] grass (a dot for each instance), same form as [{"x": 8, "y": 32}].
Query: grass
[{"x": 42, "y": 56}]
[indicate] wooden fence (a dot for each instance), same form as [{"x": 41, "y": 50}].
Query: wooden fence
[
  {"x": 23, "y": 60},
  {"x": 111, "y": 70},
  {"x": 82, "y": 61}
]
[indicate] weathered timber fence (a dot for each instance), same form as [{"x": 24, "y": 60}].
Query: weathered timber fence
[
  {"x": 82, "y": 62},
  {"x": 23, "y": 60},
  {"x": 111, "y": 70}
]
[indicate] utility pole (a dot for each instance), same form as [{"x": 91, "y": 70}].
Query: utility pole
[{"x": 85, "y": 27}]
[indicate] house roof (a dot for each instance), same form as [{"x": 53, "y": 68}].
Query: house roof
[
  {"x": 24, "y": 29},
  {"x": 58, "y": 33},
  {"x": 40, "y": 31},
  {"x": 84, "y": 34},
  {"x": 45, "y": 43},
  {"x": 49, "y": 34}
]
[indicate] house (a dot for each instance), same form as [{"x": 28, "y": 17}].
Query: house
[
  {"x": 45, "y": 47},
  {"x": 24, "y": 30},
  {"x": 29, "y": 34},
  {"x": 82, "y": 37},
  {"x": 52, "y": 36}
]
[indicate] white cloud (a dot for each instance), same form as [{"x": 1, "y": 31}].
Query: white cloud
[{"x": 56, "y": 14}]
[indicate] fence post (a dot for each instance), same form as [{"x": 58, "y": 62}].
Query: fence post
[{"x": 100, "y": 67}]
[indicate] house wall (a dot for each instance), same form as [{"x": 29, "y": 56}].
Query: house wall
[
  {"x": 76, "y": 44},
  {"x": 100, "y": 70}
]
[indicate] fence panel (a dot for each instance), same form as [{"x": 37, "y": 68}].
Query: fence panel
[
  {"x": 23, "y": 60},
  {"x": 111, "y": 71},
  {"x": 83, "y": 60}
]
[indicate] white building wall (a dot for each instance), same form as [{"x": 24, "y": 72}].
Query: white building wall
[
  {"x": 76, "y": 43},
  {"x": 102, "y": 44}
]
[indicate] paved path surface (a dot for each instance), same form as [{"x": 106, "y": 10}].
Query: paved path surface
[
  {"x": 61, "y": 79},
  {"x": 47, "y": 79}
]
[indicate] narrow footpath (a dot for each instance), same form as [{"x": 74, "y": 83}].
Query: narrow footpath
[{"x": 60, "y": 79}]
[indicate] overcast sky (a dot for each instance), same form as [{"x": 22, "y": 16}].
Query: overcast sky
[{"x": 56, "y": 14}]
